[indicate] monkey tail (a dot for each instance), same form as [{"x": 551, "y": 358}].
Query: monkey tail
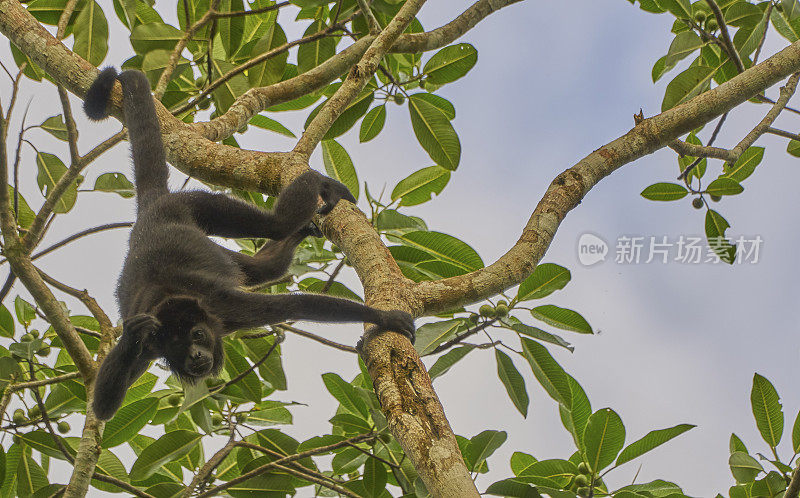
[{"x": 144, "y": 130}]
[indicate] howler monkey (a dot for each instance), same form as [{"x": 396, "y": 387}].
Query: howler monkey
[{"x": 179, "y": 293}]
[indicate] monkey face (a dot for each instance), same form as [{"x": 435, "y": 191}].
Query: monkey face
[{"x": 189, "y": 339}]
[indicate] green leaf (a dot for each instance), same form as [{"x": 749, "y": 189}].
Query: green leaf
[
  {"x": 271, "y": 70},
  {"x": 603, "y": 438},
  {"x": 348, "y": 118},
  {"x": 51, "y": 169},
  {"x": 767, "y": 410},
  {"x": 116, "y": 183},
  {"x": 787, "y": 28},
  {"x": 545, "y": 279},
  {"x": 682, "y": 46},
  {"x": 270, "y": 124},
  {"x": 457, "y": 254},
  {"x": 482, "y": 445},
  {"x": 30, "y": 476},
  {"x": 339, "y": 166},
  {"x": 312, "y": 54},
  {"x": 91, "y": 33},
  {"x": 372, "y": 124},
  {"x": 431, "y": 335},
  {"x": 520, "y": 462},
  {"x": 791, "y": 8},
  {"x": 345, "y": 394},
  {"x": 447, "y": 360},
  {"x": 577, "y": 415},
  {"x": 679, "y": 8},
  {"x": 744, "y": 467},
  {"x": 540, "y": 335},
  {"x": 154, "y": 36},
  {"x": 168, "y": 448},
  {"x": 513, "y": 382},
  {"x": 440, "y": 103},
  {"x": 55, "y": 126},
  {"x": 715, "y": 233},
  {"x": 350, "y": 424},
  {"x": 747, "y": 38},
  {"x": 128, "y": 421},
  {"x": 548, "y": 372},
  {"x": 375, "y": 477},
  {"x": 450, "y": 63},
  {"x": 249, "y": 386},
  {"x": 562, "y": 318},
  {"x": 435, "y": 133},
  {"x": 421, "y": 186},
  {"x": 796, "y": 434},
  {"x": 225, "y": 94},
  {"x": 735, "y": 444},
  {"x": 688, "y": 84},
  {"x": 6, "y": 326},
  {"x": 724, "y": 186},
  {"x": 348, "y": 460},
  {"x": 745, "y": 165},
  {"x": 231, "y": 29},
  {"x": 665, "y": 192},
  {"x": 513, "y": 489},
  {"x": 652, "y": 440},
  {"x": 26, "y": 215},
  {"x": 24, "y": 310}
]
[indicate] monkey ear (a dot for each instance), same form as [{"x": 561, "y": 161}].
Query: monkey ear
[{"x": 180, "y": 310}]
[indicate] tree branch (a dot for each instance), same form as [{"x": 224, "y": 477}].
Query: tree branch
[{"x": 568, "y": 188}]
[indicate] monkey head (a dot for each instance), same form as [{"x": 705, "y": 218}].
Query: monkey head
[{"x": 189, "y": 338}]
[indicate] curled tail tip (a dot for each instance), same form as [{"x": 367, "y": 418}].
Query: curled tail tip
[{"x": 96, "y": 101}]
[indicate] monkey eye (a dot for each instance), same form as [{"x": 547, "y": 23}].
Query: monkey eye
[{"x": 198, "y": 334}]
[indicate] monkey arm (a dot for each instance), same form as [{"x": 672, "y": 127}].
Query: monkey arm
[
  {"x": 126, "y": 362},
  {"x": 239, "y": 309}
]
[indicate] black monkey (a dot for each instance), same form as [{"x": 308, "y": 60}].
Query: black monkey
[{"x": 179, "y": 292}]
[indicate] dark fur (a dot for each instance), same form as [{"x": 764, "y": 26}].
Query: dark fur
[{"x": 179, "y": 292}]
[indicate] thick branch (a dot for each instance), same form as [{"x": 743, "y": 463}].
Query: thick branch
[
  {"x": 567, "y": 190},
  {"x": 357, "y": 79}
]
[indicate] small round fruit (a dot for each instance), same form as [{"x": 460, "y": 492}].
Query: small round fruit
[
  {"x": 501, "y": 310},
  {"x": 487, "y": 310},
  {"x": 26, "y": 337},
  {"x": 502, "y": 302},
  {"x": 716, "y": 198},
  {"x": 584, "y": 469},
  {"x": 204, "y": 104},
  {"x": 583, "y": 492},
  {"x": 422, "y": 84},
  {"x": 175, "y": 399},
  {"x": 216, "y": 418},
  {"x": 63, "y": 427},
  {"x": 241, "y": 417},
  {"x": 581, "y": 480},
  {"x": 34, "y": 333},
  {"x": 711, "y": 24},
  {"x": 473, "y": 318},
  {"x": 19, "y": 416},
  {"x": 399, "y": 98},
  {"x": 700, "y": 16},
  {"x": 697, "y": 203},
  {"x": 214, "y": 382},
  {"x": 34, "y": 412}
]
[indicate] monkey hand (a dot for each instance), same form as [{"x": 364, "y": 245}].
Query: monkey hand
[
  {"x": 138, "y": 330},
  {"x": 311, "y": 230},
  {"x": 398, "y": 321},
  {"x": 331, "y": 192}
]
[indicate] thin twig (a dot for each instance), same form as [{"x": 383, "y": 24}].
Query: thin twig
[
  {"x": 333, "y": 276},
  {"x": 215, "y": 491},
  {"x": 726, "y": 37},
  {"x": 456, "y": 340},
  {"x": 315, "y": 337}
]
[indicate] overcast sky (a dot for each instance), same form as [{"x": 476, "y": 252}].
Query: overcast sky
[{"x": 679, "y": 343}]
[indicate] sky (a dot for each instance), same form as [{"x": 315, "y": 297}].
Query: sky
[{"x": 677, "y": 342}]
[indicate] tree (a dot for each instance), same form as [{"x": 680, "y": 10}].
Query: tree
[{"x": 232, "y": 57}]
